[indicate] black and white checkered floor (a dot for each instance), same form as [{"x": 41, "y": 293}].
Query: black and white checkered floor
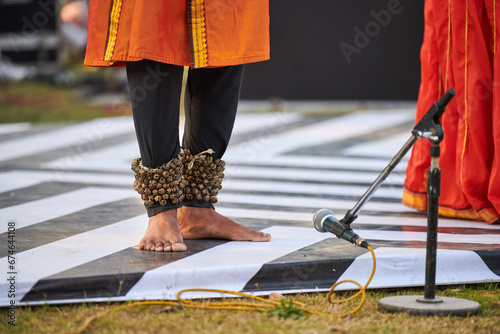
[{"x": 67, "y": 190}]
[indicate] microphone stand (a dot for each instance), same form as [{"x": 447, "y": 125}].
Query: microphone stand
[{"x": 429, "y": 127}]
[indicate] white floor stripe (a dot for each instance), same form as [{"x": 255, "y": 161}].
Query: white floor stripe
[
  {"x": 229, "y": 266},
  {"x": 403, "y": 267},
  {"x": 308, "y": 202},
  {"x": 30, "y": 213},
  {"x": 271, "y": 144},
  {"x": 362, "y": 219},
  {"x": 334, "y": 162},
  {"x": 18, "y": 179},
  {"x": 309, "y": 188},
  {"x": 61, "y": 255},
  {"x": 405, "y": 221},
  {"x": 14, "y": 127},
  {"x": 296, "y": 174},
  {"x": 485, "y": 239},
  {"x": 262, "y": 123},
  {"x": 386, "y": 147},
  {"x": 99, "y": 160},
  {"x": 88, "y": 136}
]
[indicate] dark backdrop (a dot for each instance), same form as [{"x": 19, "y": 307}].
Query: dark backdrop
[{"x": 340, "y": 50}]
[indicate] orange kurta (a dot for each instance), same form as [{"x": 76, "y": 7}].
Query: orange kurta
[
  {"x": 196, "y": 33},
  {"x": 460, "y": 51}
]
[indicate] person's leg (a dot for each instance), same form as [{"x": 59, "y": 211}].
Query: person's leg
[
  {"x": 155, "y": 90},
  {"x": 211, "y": 102}
]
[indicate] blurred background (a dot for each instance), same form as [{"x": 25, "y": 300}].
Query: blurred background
[{"x": 321, "y": 50}]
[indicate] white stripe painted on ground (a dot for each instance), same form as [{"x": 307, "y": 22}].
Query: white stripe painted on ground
[
  {"x": 271, "y": 144},
  {"x": 386, "y": 147},
  {"x": 113, "y": 158},
  {"x": 14, "y": 127},
  {"x": 307, "y": 202},
  {"x": 229, "y": 266},
  {"x": 334, "y": 162},
  {"x": 297, "y": 174},
  {"x": 30, "y": 213},
  {"x": 88, "y": 136},
  {"x": 18, "y": 179},
  {"x": 61, "y": 255},
  {"x": 309, "y": 188},
  {"x": 485, "y": 239},
  {"x": 362, "y": 219},
  {"x": 406, "y": 221},
  {"x": 261, "y": 123},
  {"x": 404, "y": 267}
]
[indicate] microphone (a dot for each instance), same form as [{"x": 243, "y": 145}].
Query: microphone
[{"x": 324, "y": 220}]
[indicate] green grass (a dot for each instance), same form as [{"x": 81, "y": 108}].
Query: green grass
[
  {"x": 154, "y": 319},
  {"x": 41, "y": 102}
]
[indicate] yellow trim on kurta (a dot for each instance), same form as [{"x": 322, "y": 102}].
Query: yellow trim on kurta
[
  {"x": 448, "y": 46},
  {"x": 465, "y": 93},
  {"x": 418, "y": 201},
  {"x": 199, "y": 34},
  {"x": 494, "y": 28},
  {"x": 113, "y": 29},
  {"x": 460, "y": 214}
]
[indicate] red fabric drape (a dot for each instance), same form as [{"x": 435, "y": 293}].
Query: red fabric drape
[{"x": 459, "y": 51}]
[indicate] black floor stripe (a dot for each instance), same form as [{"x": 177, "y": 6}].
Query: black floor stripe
[
  {"x": 79, "y": 222},
  {"x": 315, "y": 266},
  {"x": 95, "y": 279},
  {"x": 492, "y": 259},
  {"x": 36, "y": 192}
]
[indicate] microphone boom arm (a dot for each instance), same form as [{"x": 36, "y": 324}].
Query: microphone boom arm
[{"x": 428, "y": 127}]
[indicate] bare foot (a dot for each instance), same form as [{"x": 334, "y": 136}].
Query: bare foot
[
  {"x": 162, "y": 234},
  {"x": 206, "y": 223}
]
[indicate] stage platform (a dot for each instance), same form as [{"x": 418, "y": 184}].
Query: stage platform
[{"x": 66, "y": 195}]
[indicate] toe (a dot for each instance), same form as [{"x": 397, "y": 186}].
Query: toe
[
  {"x": 265, "y": 237},
  {"x": 159, "y": 247},
  {"x": 259, "y": 236},
  {"x": 150, "y": 246},
  {"x": 167, "y": 247},
  {"x": 142, "y": 244},
  {"x": 179, "y": 247}
]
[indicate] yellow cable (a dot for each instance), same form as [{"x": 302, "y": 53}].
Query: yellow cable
[{"x": 263, "y": 305}]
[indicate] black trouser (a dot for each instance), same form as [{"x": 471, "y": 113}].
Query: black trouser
[{"x": 211, "y": 101}]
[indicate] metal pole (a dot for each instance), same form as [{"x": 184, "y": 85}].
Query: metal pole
[
  {"x": 433, "y": 193},
  {"x": 353, "y": 213}
]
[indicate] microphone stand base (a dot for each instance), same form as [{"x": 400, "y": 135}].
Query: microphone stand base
[{"x": 419, "y": 305}]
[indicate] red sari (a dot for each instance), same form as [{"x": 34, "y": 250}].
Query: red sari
[{"x": 460, "y": 51}]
